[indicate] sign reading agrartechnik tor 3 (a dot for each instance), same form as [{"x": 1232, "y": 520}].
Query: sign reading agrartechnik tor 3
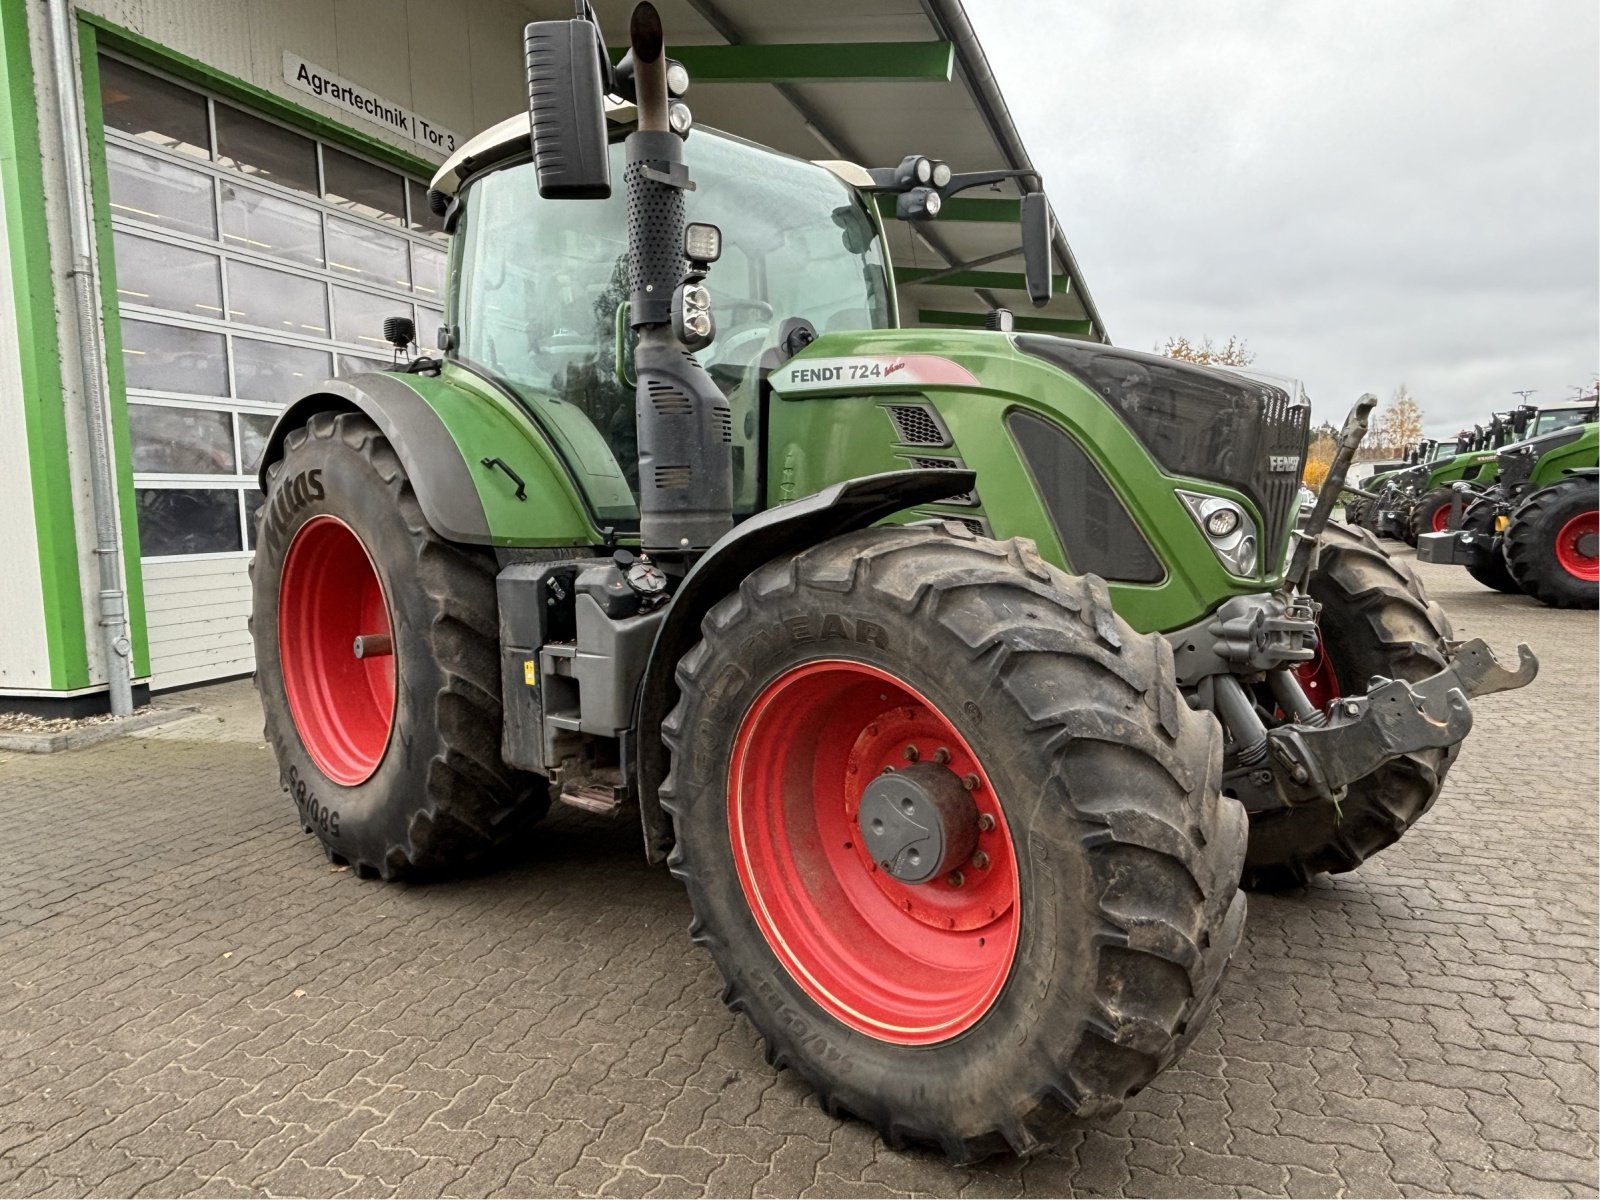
[{"x": 353, "y": 98}]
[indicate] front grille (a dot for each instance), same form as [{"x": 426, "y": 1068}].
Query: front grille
[
  {"x": 1284, "y": 427},
  {"x": 1197, "y": 421},
  {"x": 1515, "y": 468}
]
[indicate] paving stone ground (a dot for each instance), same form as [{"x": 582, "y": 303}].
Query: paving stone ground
[{"x": 192, "y": 1001}]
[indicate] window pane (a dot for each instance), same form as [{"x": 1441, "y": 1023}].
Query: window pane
[
  {"x": 169, "y": 358},
  {"x": 367, "y": 254},
  {"x": 252, "y": 506},
  {"x": 422, "y": 218},
  {"x": 254, "y": 429},
  {"x": 253, "y": 220},
  {"x": 354, "y": 364},
  {"x": 358, "y": 316},
  {"x": 159, "y": 193},
  {"x": 187, "y": 520},
  {"x": 188, "y": 441},
  {"x": 276, "y": 374},
  {"x": 277, "y": 299},
  {"x": 152, "y": 109},
  {"x": 166, "y": 276},
  {"x": 265, "y": 150},
  {"x": 427, "y": 268},
  {"x": 363, "y": 187},
  {"x": 429, "y": 322}
]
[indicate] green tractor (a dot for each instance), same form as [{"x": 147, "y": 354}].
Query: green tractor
[
  {"x": 1417, "y": 498},
  {"x": 1536, "y": 530},
  {"x": 959, "y": 676}
]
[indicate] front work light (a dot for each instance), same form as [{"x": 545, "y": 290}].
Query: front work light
[{"x": 702, "y": 243}]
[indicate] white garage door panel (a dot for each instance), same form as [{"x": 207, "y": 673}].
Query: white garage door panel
[
  {"x": 198, "y": 623},
  {"x": 253, "y": 260}
]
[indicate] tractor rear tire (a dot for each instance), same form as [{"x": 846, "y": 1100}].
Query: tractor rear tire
[
  {"x": 1549, "y": 545},
  {"x": 393, "y": 761},
  {"x": 1430, "y": 514},
  {"x": 1054, "y": 972},
  {"x": 1375, "y": 620}
]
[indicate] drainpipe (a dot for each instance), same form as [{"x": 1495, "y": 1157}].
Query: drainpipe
[{"x": 91, "y": 357}]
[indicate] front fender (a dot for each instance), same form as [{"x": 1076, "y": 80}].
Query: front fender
[
  {"x": 775, "y": 533},
  {"x": 451, "y": 441}
]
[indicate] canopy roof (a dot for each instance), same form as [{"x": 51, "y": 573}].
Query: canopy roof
[{"x": 870, "y": 81}]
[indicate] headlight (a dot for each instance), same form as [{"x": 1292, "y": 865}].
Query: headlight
[{"x": 1228, "y": 528}]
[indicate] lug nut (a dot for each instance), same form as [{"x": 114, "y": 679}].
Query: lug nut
[
  {"x": 955, "y": 879},
  {"x": 985, "y": 822},
  {"x": 887, "y": 771},
  {"x": 941, "y": 756},
  {"x": 981, "y": 861},
  {"x": 970, "y": 782},
  {"x": 912, "y": 754}
]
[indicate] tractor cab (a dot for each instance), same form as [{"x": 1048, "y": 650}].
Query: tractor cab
[{"x": 540, "y": 290}]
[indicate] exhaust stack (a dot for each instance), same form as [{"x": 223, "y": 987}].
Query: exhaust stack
[{"x": 684, "y": 422}]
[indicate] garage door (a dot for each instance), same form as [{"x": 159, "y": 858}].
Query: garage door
[{"x": 252, "y": 262}]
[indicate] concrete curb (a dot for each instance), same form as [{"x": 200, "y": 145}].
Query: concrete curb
[{"x": 90, "y": 735}]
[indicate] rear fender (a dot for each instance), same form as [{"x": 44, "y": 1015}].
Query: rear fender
[
  {"x": 482, "y": 475},
  {"x": 776, "y": 533}
]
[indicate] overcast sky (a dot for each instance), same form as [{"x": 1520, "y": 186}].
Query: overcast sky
[{"x": 1369, "y": 193}]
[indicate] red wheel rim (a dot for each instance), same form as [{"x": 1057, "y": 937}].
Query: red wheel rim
[
  {"x": 1316, "y": 677},
  {"x": 1441, "y": 518},
  {"x": 1575, "y": 546},
  {"x": 329, "y": 595},
  {"x": 909, "y": 964}
]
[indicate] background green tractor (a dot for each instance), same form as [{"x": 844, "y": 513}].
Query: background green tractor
[
  {"x": 1536, "y": 530},
  {"x": 1418, "y": 497},
  {"x": 960, "y": 677}
]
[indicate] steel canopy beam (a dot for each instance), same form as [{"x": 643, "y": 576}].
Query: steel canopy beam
[
  {"x": 969, "y": 320},
  {"x": 945, "y": 277},
  {"x": 834, "y": 62}
]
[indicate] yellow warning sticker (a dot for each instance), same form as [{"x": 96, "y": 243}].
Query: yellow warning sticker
[{"x": 530, "y": 673}]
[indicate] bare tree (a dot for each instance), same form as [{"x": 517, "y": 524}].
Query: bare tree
[
  {"x": 1235, "y": 352},
  {"x": 1397, "y": 425}
]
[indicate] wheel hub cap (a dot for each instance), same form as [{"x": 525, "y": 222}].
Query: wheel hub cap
[{"x": 918, "y": 823}]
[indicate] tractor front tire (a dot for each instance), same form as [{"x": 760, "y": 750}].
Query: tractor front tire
[
  {"x": 1431, "y": 514},
  {"x": 1550, "y": 544},
  {"x": 1492, "y": 572},
  {"x": 1055, "y": 969},
  {"x": 1375, "y": 620},
  {"x": 393, "y": 757}
]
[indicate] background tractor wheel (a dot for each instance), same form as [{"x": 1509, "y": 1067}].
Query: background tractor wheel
[
  {"x": 1431, "y": 514},
  {"x": 1493, "y": 573},
  {"x": 1375, "y": 620},
  {"x": 951, "y": 835},
  {"x": 1552, "y": 545},
  {"x": 392, "y": 758}
]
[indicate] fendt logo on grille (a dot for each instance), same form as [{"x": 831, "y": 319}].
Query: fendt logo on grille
[{"x": 1282, "y": 462}]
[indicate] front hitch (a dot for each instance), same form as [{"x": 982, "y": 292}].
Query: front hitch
[{"x": 1358, "y": 734}]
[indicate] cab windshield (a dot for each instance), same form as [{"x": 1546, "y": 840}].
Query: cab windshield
[
  {"x": 541, "y": 288},
  {"x": 1552, "y": 419}
]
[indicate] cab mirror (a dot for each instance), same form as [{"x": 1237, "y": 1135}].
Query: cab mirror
[
  {"x": 1037, "y": 233},
  {"x": 566, "y": 109}
]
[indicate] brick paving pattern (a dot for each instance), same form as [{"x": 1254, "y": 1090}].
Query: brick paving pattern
[{"x": 192, "y": 1001}]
